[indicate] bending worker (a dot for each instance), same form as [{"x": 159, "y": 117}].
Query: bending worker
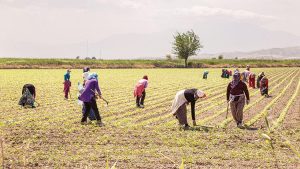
[
  {"x": 140, "y": 91},
  {"x": 88, "y": 97},
  {"x": 182, "y": 98}
]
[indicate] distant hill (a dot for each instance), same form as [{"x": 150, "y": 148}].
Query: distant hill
[{"x": 273, "y": 53}]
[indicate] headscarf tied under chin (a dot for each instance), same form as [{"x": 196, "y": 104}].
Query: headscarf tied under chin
[{"x": 236, "y": 79}]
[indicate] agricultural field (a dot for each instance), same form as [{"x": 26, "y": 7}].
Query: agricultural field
[{"x": 50, "y": 136}]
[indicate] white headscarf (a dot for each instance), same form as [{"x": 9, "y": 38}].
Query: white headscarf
[
  {"x": 85, "y": 75},
  {"x": 200, "y": 93}
]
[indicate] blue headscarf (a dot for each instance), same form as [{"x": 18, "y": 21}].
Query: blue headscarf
[{"x": 93, "y": 76}]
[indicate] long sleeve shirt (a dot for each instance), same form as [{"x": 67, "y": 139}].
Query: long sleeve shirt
[
  {"x": 91, "y": 86},
  {"x": 189, "y": 95},
  {"x": 67, "y": 76},
  {"x": 240, "y": 88},
  {"x": 144, "y": 82}
]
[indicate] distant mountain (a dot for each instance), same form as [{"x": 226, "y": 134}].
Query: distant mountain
[{"x": 273, "y": 53}]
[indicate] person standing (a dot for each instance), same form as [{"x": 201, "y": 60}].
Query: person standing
[
  {"x": 182, "y": 98},
  {"x": 88, "y": 97},
  {"x": 67, "y": 83},
  {"x": 252, "y": 80},
  {"x": 140, "y": 92},
  {"x": 245, "y": 74},
  {"x": 236, "y": 92}
]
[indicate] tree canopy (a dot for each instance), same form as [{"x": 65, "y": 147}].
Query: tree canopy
[{"x": 186, "y": 45}]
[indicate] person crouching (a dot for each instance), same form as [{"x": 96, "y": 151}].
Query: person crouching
[
  {"x": 182, "y": 98},
  {"x": 88, "y": 97}
]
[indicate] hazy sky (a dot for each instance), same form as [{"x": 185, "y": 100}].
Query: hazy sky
[{"x": 142, "y": 28}]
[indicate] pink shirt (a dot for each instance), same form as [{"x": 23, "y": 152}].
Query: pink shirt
[{"x": 144, "y": 82}]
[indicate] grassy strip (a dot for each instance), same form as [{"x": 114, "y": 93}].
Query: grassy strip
[{"x": 78, "y": 63}]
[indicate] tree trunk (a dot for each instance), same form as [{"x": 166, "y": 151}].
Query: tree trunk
[{"x": 185, "y": 63}]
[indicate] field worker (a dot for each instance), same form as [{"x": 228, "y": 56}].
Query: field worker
[
  {"x": 67, "y": 83},
  {"x": 236, "y": 92},
  {"x": 85, "y": 76},
  {"x": 252, "y": 80},
  {"x": 28, "y": 96},
  {"x": 86, "y": 71},
  {"x": 182, "y": 98},
  {"x": 88, "y": 97},
  {"x": 245, "y": 74},
  {"x": 227, "y": 74},
  {"x": 205, "y": 73},
  {"x": 31, "y": 89},
  {"x": 223, "y": 73},
  {"x": 260, "y": 76},
  {"x": 264, "y": 86},
  {"x": 140, "y": 92}
]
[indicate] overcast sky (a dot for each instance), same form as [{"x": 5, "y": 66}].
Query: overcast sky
[{"x": 119, "y": 29}]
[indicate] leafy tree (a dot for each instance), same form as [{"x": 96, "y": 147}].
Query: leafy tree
[
  {"x": 186, "y": 45},
  {"x": 220, "y": 57},
  {"x": 168, "y": 57},
  {"x": 94, "y": 58},
  {"x": 78, "y": 57}
]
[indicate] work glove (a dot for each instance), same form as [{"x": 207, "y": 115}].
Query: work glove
[
  {"x": 194, "y": 123},
  {"x": 247, "y": 101}
]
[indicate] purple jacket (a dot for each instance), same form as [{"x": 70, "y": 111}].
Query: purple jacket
[{"x": 91, "y": 86}]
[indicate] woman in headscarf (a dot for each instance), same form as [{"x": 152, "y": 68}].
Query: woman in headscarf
[
  {"x": 236, "y": 91},
  {"x": 205, "y": 73},
  {"x": 85, "y": 76},
  {"x": 28, "y": 96},
  {"x": 140, "y": 92},
  {"x": 88, "y": 96},
  {"x": 182, "y": 98},
  {"x": 67, "y": 83},
  {"x": 252, "y": 80},
  {"x": 264, "y": 86},
  {"x": 260, "y": 76}
]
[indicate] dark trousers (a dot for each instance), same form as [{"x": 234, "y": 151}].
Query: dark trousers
[
  {"x": 88, "y": 106},
  {"x": 140, "y": 100}
]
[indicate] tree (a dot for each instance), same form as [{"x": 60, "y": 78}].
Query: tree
[
  {"x": 186, "y": 45},
  {"x": 94, "y": 58},
  {"x": 220, "y": 57},
  {"x": 78, "y": 57},
  {"x": 168, "y": 57}
]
